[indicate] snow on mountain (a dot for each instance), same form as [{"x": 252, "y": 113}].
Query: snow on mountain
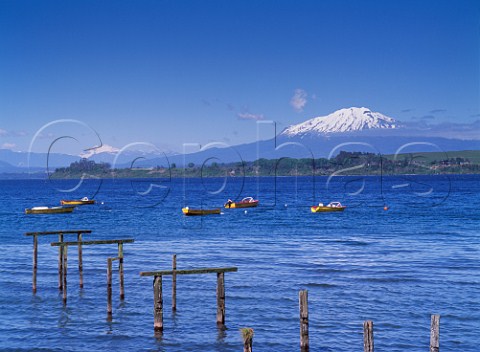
[
  {"x": 343, "y": 120},
  {"x": 105, "y": 148}
]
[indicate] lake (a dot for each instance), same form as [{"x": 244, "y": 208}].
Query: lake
[{"x": 395, "y": 267}]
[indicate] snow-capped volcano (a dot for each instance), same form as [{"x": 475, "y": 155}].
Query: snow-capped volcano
[
  {"x": 105, "y": 148},
  {"x": 343, "y": 120}
]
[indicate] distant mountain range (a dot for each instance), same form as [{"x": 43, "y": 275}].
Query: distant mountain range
[{"x": 351, "y": 129}]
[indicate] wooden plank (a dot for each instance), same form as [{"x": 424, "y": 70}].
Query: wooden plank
[
  {"x": 368, "y": 336},
  {"x": 85, "y": 243},
  {"x": 44, "y": 233},
  {"x": 157, "y": 303},
  {"x": 435, "y": 333},
  {"x": 189, "y": 271},
  {"x": 221, "y": 298},
  {"x": 303, "y": 307}
]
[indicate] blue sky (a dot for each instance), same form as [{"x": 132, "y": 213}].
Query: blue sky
[{"x": 174, "y": 72}]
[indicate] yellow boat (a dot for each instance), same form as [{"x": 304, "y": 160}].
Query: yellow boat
[
  {"x": 247, "y": 202},
  {"x": 188, "y": 211},
  {"x": 47, "y": 210},
  {"x": 82, "y": 201},
  {"x": 331, "y": 207}
]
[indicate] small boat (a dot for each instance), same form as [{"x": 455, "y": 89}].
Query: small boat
[
  {"x": 188, "y": 211},
  {"x": 330, "y": 207},
  {"x": 247, "y": 202},
  {"x": 82, "y": 201},
  {"x": 48, "y": 210}
]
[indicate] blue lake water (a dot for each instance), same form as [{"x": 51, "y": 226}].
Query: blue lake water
[{"x": 395, "y": 267}]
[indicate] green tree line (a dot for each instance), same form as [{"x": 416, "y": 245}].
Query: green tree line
[{"x": 345, "y": 163}]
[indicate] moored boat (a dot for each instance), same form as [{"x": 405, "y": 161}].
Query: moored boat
[
  {"x": 247, "y": 202},
  {"x": 330, "y": 207},
  {"x": 82, "y": 201},
  {"x": 189, "y": 211},
  {"x": 49, "y": 210}
]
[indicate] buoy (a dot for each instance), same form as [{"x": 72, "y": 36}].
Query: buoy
[
  {"x": 286, "y": 205},
  {"x": 385, "y": 208}
]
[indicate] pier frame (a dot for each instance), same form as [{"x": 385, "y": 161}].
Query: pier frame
[
  {"x": 61, "y": 260},
  {"x": 63, "y": 246},
  {"x": 158, "y": 295}
]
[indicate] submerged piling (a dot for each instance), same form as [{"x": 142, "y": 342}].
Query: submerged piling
[
  {"x": 247, "y": 336},
  {"x": 120, "y": 271},
  {"x": 435, "y": 333},
  {"x": 157, "y": 303},
  {"x": 64, "y": 250},
  {"x": 303, "y": 305},
  {"x": 109, "y": 289},
  {"x": 368, "y": 336},
  {"x": 174, "y": 283},
  {"x": 80, "y": 260},
  {"x": 35, "y": 264},
  {"x": 60, "y": 263},
  {"x": 221, "y": 298}
]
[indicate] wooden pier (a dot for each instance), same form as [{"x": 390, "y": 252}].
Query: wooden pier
[
  {"x": 247, "y": 333},
  {"x": 158, "y": 294},
  {"x": 64, "y": 248},
  {"x": 60, "y": 235}
]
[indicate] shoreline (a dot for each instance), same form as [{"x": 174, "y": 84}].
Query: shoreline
[{"x": 219, "y": 177}]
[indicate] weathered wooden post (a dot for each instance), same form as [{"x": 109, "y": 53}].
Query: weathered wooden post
[
  {"x": 157, "y": 303},
  {"x": 109, "y": 289},
  {"x": 174, "y": 283},
  {"x": 64, "y": 250},
  {"x": 120, "y": 271},
  {"x": 80, "y": 260},
  {"x": 303, "y": 303},
  {"x": 368, "y": 336},
  {"x": 247, "y": 335},
  {"x": 435, "y": 333},
  {"x": 35, "y": 263},
  {"x": 60, "y": 262},
  {"x": 221, "y": 298}
]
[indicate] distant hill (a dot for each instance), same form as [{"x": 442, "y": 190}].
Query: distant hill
[
  {"x": 6, "y": 167},
  {"x": 358, "y": 163},
  {"x": 473, "y": 156},
  {"x": 35, "y": 160}
]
